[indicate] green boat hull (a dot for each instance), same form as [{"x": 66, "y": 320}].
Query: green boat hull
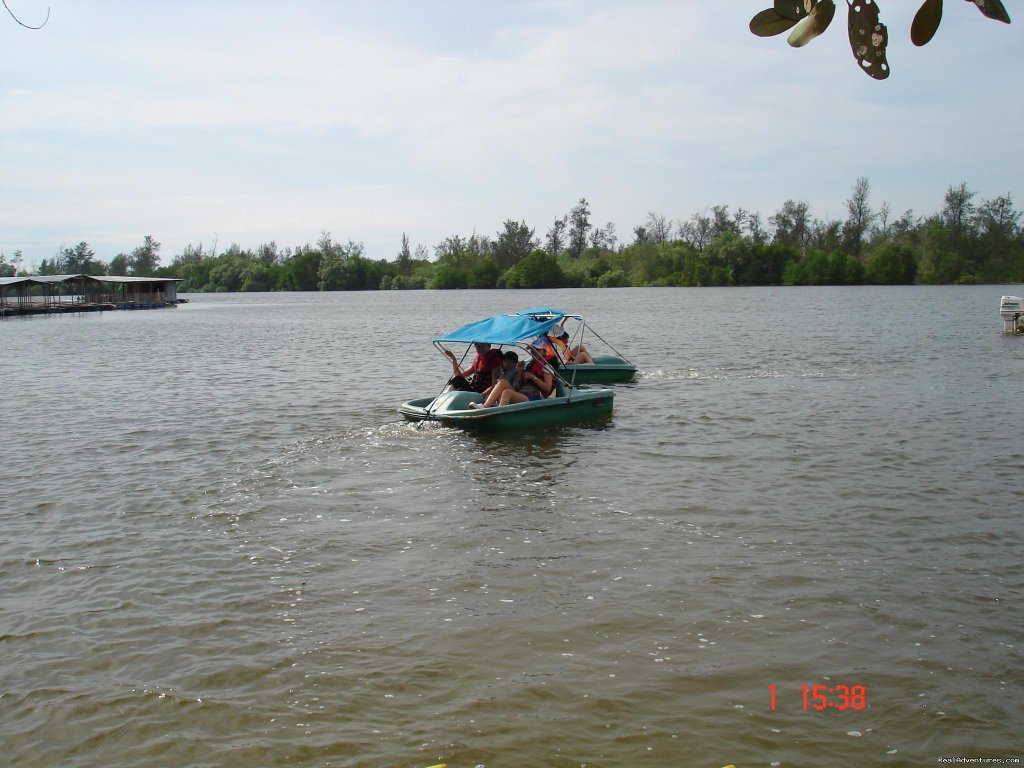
[
  {"x": 606, "y": 369},
  {"x": 453, "y": 409}
]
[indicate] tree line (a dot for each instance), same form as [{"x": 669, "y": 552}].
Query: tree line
[{"x": 970, "y": 240}]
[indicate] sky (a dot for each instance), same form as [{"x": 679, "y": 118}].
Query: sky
[{"x": 212, "y": 122}]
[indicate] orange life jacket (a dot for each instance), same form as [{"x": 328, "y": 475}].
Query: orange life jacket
[{"x": 561, "y": 349}]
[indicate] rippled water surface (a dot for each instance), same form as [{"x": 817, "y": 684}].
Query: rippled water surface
[{"x": 221, "y": 546}]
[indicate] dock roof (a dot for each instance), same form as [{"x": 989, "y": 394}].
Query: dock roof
[{"x": 51, "y": 279}]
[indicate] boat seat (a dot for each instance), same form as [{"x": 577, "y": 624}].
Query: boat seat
[{"x": 459, "y": 400}]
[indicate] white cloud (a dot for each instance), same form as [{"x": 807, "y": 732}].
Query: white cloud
[{"x": 262, "y": 121}]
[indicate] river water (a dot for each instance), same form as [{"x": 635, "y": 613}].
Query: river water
[{"x": 221, "y": 545}]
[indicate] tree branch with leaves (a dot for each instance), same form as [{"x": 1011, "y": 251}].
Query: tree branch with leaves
[{"x": 869, "y": 37}]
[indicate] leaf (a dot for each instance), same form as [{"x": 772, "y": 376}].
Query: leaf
[
  {"x": 926, "y": 22},
  {"x": 794, "y": 9},
  {"x": 991, "y": 8},
  {"x": 817, "y": 21},
  {"x": 868, "y": 38},
  {"x": 768, "y": 23}
]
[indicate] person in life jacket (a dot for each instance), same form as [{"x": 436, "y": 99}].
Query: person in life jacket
[
  {"x": 560, "y": 342},
  {"x": 479, "y": 374},
  {"x": 560, "y": 345},
  {"x": 544, "y": 348},
  {"x": 535, "y": 383},
  {"x": 510, "y": 369}
]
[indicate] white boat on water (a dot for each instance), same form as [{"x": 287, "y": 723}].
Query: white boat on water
[{"x": 1011, "y": 309}]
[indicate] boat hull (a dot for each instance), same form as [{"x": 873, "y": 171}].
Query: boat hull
[
  {"x": 453, "y": 409},
  {"x": 606, "y": 369}
]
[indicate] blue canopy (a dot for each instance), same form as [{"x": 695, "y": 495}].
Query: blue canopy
[{"x": 506, "y": 329}]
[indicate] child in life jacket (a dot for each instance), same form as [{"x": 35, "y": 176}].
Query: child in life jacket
[{"x": 535, "y": 383}]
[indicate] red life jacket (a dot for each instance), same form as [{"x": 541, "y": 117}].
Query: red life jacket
[
  {"x": 485, "y": 364},
  {"x": 480, "y": 377},
  {"x": 537, "y": 369}
]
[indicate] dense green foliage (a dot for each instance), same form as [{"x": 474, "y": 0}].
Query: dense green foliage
[{"x": 963, "y": 243}]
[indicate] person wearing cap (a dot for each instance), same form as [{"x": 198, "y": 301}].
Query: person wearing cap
[
  {"x": 478, "y": 375},
  {"x": 560, "y": 341}
]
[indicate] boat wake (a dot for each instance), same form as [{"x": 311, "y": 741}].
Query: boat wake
[{"x": 738, "y": 374}]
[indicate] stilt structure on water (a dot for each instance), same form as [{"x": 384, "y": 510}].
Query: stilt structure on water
[{"x": 45, "y": 294}]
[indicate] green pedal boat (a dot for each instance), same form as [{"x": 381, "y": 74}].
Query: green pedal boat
[
  {"x": 578, "y": 364},
  {"x": 523, "y": 332}
]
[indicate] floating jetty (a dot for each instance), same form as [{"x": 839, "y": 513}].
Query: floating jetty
[{"x": 49, "y": 294}]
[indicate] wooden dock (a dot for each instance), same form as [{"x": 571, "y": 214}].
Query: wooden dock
[{"x": 59, "y": 294}]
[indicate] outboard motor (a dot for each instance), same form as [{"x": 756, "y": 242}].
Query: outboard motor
[{"x": 1011, "y": 309}]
